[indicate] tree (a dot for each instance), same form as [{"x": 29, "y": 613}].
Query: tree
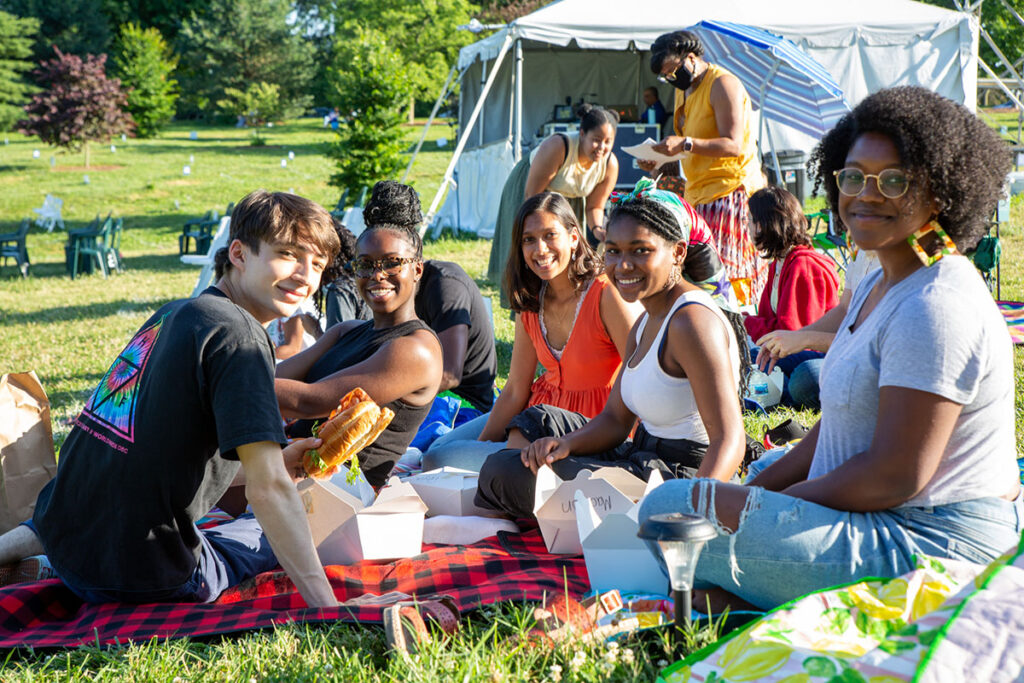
[
  {"x": 78, "y": 104},
  {"x": 258, "y": 104},
  {"x": 166, "y": 16},
  {"x": 504, "y": 11},
  {"x": 423, "y": 33},
  {"x": 16, "y": 37},
  {"x": 372, "y": 82},
  {"x": 75, "y": 26},
  {"x": 144, "y": 64},
  {"x": 238, "y": 42}
]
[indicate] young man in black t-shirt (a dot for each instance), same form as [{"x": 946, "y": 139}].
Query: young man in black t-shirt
[{"x": 187, "y": 409}]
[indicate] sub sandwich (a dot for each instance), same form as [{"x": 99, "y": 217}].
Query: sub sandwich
[{"x": 352, "y": 426}]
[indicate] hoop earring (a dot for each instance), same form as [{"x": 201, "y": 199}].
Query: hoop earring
[{"x": 931, "y": 243}]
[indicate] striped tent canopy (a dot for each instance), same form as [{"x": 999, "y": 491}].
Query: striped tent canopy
[{"x": 788, "y": 85}]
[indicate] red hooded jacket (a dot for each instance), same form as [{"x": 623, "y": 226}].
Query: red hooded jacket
[{"x": 808, "y": 288}]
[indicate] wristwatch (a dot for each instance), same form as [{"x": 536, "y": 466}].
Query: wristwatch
[{"x": 687, "y": 144}]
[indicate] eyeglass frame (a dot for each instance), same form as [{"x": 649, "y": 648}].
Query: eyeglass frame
[
  {"x": 868, "y": 176},
  {"x": 378, "y": 265},
  {"x": 668, "y": 78}
]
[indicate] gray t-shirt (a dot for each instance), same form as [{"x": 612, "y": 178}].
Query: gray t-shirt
[{"x": 937, "y": 331}]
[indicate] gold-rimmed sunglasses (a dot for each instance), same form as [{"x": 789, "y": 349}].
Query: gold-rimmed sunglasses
[{"x": 392, "y": 265}]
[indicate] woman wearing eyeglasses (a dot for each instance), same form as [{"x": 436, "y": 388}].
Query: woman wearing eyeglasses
[
  {"x": 715, "y": 132},
  {"x": 579, "y": 166},
  {"x": 395, "y": 357},
  {"x": 915, "y": 450}
]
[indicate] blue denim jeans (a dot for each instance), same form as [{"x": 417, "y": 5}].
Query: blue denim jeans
[
  {"x": 231, "y": 553},
  {"x": 805, "y": 382},
  {"x": 786, "y": 547},
  {"x": 460, "y": 448}
]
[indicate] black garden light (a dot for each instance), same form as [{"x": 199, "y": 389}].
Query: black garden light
[{"x": 678, "y": 538}]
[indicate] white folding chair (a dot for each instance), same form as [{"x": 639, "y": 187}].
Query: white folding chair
[
  {"x": 220, "y": 239},
  {"x": 49, "y": 213}
]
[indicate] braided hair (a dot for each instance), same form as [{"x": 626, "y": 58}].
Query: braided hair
[
  {"x": 395, "y": 203},
  {"x": 395, "y": 207},
  {"x": 674, "y": 44},
  {"x": 659, "y": 220}
]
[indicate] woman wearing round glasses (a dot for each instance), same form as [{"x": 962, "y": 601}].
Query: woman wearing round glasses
[
  {"x": 395, "y": 357},
  {"x": 915, "y": 450},
  {"x": 715, "y": 132}
]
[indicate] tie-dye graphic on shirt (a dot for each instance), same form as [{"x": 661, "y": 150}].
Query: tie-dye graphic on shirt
[{"x": 112, "y": 404}]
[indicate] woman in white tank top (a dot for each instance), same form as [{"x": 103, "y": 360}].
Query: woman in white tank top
[{"x": 681, "y": 378}]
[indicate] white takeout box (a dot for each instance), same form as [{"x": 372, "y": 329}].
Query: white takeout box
[
  {"x": 610, "y": 489},
  {"x": 615, "y": 556},
  {"x": 448, "y": 491},
  {"x": 346, "y": 531}
]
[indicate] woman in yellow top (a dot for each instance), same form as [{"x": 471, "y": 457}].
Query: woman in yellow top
[
  {"x": 715, "y": 129},
  {"x": 579, "y": 166}
]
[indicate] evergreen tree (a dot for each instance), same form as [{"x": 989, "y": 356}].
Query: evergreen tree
[
  {"x": 16, "y": 37},
  {"x": 372, "y": 82},
  {"x": 238, "y": 42},
  {"x": 78, "y": 103},
  {"x": 166, "y": 16},
  {"x": 144, "y": 64},
  {"x": 75, "y": 26}
]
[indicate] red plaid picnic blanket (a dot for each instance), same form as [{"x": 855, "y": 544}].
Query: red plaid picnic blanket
[{"x": 507, "y": 567}]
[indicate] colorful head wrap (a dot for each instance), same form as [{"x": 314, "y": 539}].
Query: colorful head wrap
[{"x": 645, "y": 187}]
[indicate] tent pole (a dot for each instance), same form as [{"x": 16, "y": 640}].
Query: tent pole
[
  {"x": 447, "y": 180},
  {"x": 517, "y": 139},
  {"x": 484, "y": 80},
  {"x": 433, "y": 113},
  {"x": 766, "y": 125}
]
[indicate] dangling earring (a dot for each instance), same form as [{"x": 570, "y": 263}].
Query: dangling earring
[
  {"x": 931, "y": 243},
  {"x": 673, "y": 276}
]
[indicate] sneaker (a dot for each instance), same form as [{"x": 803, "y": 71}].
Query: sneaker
[
  {"x": 34, "y": 568},
  {"x": 790, "y": 430}
]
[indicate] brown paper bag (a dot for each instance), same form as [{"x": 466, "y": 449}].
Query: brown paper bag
[{"x": 26, "y": 446}]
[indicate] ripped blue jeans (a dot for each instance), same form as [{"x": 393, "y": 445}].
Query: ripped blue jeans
[{"x": 786, "y": 547}]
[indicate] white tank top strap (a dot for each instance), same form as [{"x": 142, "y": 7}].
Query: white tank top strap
[{"x": 666, "y": 404}]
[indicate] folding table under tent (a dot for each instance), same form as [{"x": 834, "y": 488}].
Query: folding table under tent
[{"x": 597, "y": 50}]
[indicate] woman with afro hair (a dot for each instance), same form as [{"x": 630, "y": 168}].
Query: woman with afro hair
[{"x": 915, "y": 450}]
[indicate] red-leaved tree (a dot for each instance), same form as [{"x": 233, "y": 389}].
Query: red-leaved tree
[{"x": 78, "y": 103}]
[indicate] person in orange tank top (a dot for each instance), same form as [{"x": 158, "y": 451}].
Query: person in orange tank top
[
  {"x": 570, "y": 320},
  {"x": 715, "y": 132}
]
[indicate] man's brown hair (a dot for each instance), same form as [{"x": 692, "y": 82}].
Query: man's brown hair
[{"x": 279, "y": 217}]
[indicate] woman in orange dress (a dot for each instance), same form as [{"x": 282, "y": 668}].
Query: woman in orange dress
[{"x": 569, "y": 319}]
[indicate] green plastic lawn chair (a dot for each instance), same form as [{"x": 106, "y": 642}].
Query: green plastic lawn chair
[
  {"x": 99, "y": 247},
  {"x": 828, "y": 241}
]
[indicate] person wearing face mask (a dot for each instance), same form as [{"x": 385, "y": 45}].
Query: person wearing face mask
[
  {"x": 579, "y": 166},
  {"x": 715, "y": 131}
]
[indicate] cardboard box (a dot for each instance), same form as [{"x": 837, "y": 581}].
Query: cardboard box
[
  {"x": 346, "y": 531},
  {"x": 448, "y": 491},
  {"x": 615, "y": 557},
  {"x": 610, "y": 489}
]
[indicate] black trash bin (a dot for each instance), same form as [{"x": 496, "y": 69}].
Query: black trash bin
[{"x": 793, "y": 165}]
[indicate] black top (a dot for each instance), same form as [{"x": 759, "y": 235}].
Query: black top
[
  {"x": 139, "y": 467},
  {"x": 342, "y": 302},
  {"x": 355, "y": 346},
  {"x": 447, "y": 296}
]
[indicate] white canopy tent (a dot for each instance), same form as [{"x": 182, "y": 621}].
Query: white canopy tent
[{"x": 597, "y": 50}]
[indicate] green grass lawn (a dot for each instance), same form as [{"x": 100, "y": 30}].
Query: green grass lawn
[{"x": 69, "y": 331}]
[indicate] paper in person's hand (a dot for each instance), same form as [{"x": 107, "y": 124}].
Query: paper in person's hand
[{"x": 645, "y": 152}]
